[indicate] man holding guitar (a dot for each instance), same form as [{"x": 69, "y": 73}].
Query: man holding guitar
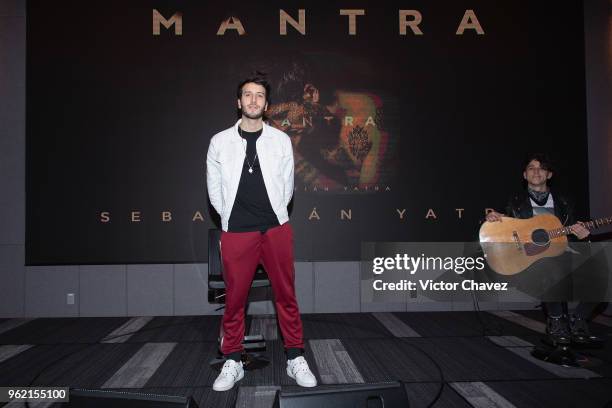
[{"x": 537, "y": 200}]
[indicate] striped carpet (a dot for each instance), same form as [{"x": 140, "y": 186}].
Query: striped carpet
[{"x": 460, "y": 359}]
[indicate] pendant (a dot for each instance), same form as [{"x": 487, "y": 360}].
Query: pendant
[{"x": 250, "y": 170}]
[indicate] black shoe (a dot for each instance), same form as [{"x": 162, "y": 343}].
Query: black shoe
[
  {"x": 580, "y": 333},
  {"x": 562, "y": 355},
  {"x": 557, "y": 331}
]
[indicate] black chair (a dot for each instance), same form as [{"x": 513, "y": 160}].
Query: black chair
[{"x": 216, "y": 290}]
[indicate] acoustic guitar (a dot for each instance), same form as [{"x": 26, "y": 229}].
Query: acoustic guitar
[{"x": 514, "y": 244}]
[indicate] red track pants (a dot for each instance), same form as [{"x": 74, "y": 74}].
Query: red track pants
[{"x": 241, "y": 252}]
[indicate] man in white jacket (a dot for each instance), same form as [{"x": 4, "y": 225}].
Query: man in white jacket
[{"x": 249, "y": 175}]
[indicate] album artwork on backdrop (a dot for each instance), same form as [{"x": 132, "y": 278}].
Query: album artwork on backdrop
[
  {"x": 400, "y": 132},
  {"x": 344, "y": 130}
]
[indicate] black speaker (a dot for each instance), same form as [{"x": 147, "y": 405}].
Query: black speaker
[
  {"x": 102, "y": 398},
  {"x": 382, "y": 395}
]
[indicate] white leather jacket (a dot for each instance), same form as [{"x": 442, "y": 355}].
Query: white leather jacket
[{"x": 224, "y": 162}]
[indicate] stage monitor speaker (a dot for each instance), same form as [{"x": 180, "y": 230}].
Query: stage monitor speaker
[
  {"x": 80, "y": 398},
  {"x": 382, "y": 395}
]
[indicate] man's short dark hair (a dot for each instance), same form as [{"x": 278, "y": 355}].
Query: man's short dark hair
[
  {"x": 543, "y": 158},
  {"x": 258, "y": 78}
]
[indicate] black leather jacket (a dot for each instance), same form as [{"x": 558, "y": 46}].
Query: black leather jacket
[{"x": 519, "y": 206}]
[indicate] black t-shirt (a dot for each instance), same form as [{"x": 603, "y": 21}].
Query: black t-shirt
[{"x": 252, "y": 210}]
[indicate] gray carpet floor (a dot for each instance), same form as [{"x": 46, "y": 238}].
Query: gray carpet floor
[{"x": 457, "y": 359}]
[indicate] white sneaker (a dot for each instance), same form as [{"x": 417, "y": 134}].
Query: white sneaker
[
  {"x": 298, "y": 370},
  {"x": 231, "y": 373}
]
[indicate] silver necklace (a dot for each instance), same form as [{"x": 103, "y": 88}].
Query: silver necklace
[{"x": 245, "y": 153}]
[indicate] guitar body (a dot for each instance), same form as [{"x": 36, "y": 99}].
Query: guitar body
[{"x": 514, "y": 244}]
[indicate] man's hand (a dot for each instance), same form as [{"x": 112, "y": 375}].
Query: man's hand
[
  {"x": 494, "y": 216},
  {"x": 579, "y": 230}
]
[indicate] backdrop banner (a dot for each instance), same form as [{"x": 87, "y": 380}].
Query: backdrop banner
[{"x": 408, "y": 119}]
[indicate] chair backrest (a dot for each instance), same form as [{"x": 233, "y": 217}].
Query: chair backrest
[{"x": 215, "y": 266}]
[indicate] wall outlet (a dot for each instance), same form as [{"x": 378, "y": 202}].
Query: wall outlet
[{"x": 70, "y": 298}]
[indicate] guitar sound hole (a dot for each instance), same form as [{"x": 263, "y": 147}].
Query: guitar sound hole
[{"x": 540, "y": 237}]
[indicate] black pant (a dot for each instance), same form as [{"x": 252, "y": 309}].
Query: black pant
[{"x": 583, "y": 310}]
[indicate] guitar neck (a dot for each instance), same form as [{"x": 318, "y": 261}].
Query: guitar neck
[{"x": 590, "y": 225}]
